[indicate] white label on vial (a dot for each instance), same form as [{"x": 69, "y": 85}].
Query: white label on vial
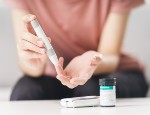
[{"x": 107, "y": 95}]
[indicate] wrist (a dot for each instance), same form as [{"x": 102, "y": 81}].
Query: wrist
[{"x": 33, "y": 71}]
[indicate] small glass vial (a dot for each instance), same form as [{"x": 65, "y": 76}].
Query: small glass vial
[{"x": 107, "y": 92}]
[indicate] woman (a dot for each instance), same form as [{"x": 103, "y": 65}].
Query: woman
[{"x": 80, "y": 31}]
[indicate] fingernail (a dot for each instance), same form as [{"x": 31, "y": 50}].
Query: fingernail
[
  {"x": 58, "y": 76},
  {"x": 32, "y": 17},
  {"x": 49, "y": 39},
  {"x": 100, "y": 56}
]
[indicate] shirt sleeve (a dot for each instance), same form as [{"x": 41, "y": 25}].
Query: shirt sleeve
[
  {"x": 18, "y": 4},
  {"x": 124, "y": 6}
]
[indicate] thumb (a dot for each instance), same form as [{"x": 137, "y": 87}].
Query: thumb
[
  {"x": 96, "y": 60},
  {"x": 93, "y": 63}
]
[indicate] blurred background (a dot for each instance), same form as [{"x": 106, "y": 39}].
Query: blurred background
[{"x": 137, "y": 42}]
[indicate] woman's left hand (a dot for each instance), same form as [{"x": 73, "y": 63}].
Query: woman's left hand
[{"x": 79, "y": 70}]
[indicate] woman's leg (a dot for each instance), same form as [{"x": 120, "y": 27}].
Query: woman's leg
[
  {"x": 129, "y": 84},
  {"x": 41, "y": 88}
]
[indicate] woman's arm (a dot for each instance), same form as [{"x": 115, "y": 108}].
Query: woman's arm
[
  {"x": 32, "y": 57},
  {"x": 82, "y": 67},
  {"x": 111, "y": 42}
]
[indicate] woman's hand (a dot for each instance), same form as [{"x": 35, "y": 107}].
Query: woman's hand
[
  {"x": 79, "y": 70},
  {"x": 31, "y": 48}
]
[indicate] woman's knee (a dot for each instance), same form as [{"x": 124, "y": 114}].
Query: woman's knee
[
  {"x": 130, "y": 84},
  {"x": 27, "y": 89}
]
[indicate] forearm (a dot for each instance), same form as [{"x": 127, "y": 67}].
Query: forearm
[{"x": 111, "y": 41}]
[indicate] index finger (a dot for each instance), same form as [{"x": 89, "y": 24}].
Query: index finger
[
  {"x": 65, "y": 81},
  {"x": 27, "y": 19},
  {"x": 59, "y": 66}
]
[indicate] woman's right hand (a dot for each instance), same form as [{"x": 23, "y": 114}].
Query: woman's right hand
[{"x": 31, "y": 48}]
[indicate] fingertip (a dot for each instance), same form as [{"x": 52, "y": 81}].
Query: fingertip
[
  {"x": 98, "y": 57},
  {"x": 58, "y": 77},
  {"x": 61, "y": 59},
  {"x": 32, "y": 17},
  {"x": 40, "y": 43},
  {"x": 71, "y": 87},
  {"x": 49, "y": 39},
  {"x": 73, "y": 81},
  {"x": 28, "y": 18},
  {"x": 95, "y": 60}
]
